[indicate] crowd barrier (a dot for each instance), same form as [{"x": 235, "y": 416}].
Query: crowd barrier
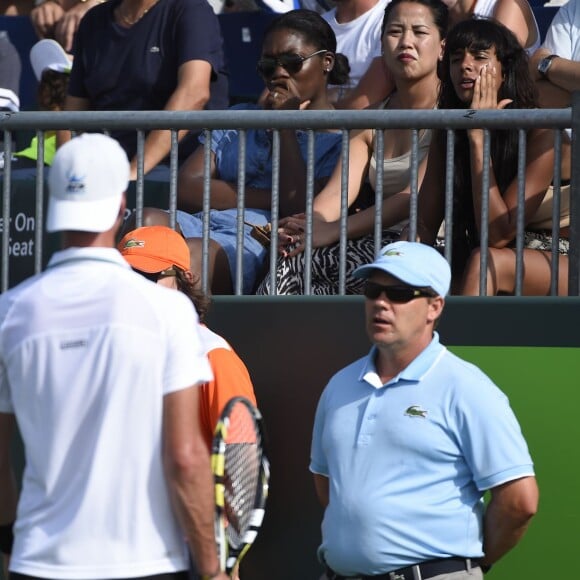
[{"x": 26, "y": 248}]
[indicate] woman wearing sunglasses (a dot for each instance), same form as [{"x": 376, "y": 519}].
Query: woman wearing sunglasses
[
  {"x": 412, "y": 40},
  {"x": 298, "y": 61}
]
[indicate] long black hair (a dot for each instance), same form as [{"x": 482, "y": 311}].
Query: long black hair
[
  {"x": 316, "y": 31},
  {"x": 474, "y": 35}
]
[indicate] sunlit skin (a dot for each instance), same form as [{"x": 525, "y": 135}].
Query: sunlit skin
[
  {"x": 411, "y": 42},
  {"x": 477, "y": 77},
  {"x": 307, "y": 87},
  {"x": 400, "y": 331}
]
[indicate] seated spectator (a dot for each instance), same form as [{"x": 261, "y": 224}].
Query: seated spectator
[
  {"x": 51, "y": 66},
  {"x": 59, "y": 19},
  {"x": 556, "y": 65},
  {"x": 148, "y": 55},
  {"x": 357, "y": 26},
  {"x": 412, "y": 48},
  {"x": 10, "y": 69},
  {"x": 517, "y": 15},
  {"x": 298, "y": 61},
  {"x": 484, "y": 67},
  {"x": 161, "y": 255}
]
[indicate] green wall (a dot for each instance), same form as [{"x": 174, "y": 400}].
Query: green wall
[{"x": 293, "y": 345}]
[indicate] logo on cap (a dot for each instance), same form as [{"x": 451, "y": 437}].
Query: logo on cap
[
  {"x": 133, "y": 243},
  {"x": 392, "y": 253},
  {"x": 76, "y": 184}
]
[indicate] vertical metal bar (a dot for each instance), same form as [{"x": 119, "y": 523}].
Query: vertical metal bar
[
  {"x": 379, "y": 189},
  {"x": 574, "y": 254},
  {"x": 345, "y": 156},
  {"x": 520, "y": 212},
  {"x": 140, "y": 184},
  {"x": 39, "y": 204},
  {"x": 206, "y": 207},
  {"x": 556, "y": 206},
  {"x": 484, "y": 233},
  {"x": 173, "y": 166},
  {"x": 414, "y": 200},
  {"x": 6, "y": 211},
  {"x": 275, "y": 213},
  {"x": 449, "y": 171},
  {"x": 309, "y": 202},
  {"x": 239, "y": 281}
]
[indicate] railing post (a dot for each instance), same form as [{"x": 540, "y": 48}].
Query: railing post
[{"x": 574, "y": 255}]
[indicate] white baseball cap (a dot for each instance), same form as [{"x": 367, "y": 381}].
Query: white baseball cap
[
  {"x": 413, "y": 263},
  {"x": 48, "y": 53},
  {"x": 86, "y": 183}
]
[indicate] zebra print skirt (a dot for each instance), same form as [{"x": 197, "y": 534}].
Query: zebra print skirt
[{"x": 325, "y": 268}]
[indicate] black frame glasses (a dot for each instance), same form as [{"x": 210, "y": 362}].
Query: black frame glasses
[
  {"x": 292, "y": 63},
  {"x": 155, "y": 276},
  {"x": 400, "y": 294}
]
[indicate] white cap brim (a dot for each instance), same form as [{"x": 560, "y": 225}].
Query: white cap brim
[
  {"x": 48, "y": 54},
  {"x": 87, "y": 216}
]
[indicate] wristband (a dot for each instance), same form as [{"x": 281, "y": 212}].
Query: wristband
[{"x": 6, "y": 538}]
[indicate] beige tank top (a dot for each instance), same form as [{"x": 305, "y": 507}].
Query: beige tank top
[{"x": 397, "y": 171}]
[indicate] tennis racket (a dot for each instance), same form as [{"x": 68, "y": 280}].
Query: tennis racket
[{"x": 241, "y": 474}]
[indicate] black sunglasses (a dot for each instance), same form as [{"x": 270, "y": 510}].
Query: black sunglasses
[
  {"x": 400, "y": 294},
  {"x": 155, "y": 276},
  {"x": 292, "y": 63}
]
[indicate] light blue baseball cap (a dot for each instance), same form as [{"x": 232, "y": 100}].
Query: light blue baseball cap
[{"x": 413, "y": 263}]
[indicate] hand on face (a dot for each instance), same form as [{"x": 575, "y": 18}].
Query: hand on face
[
  {"x": 280, "y": 98},
  {"x": 485, "y": 90}
]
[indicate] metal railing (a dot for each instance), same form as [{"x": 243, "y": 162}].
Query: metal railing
[{"x": 346, "y": 121}]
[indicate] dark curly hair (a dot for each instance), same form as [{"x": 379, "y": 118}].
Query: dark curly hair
[
  {"x": 474, "y": 35},
  {"x": 317, "y": 32},
  {"x": 52, "y": 90}
]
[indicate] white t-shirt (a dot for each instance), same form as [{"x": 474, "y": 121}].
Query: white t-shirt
[
  {"x": 88, "y": 349},
  {"x": 563, "y": 36},
  {"x": 485, "y": 8},
  {"x": 360, "y": 39}
]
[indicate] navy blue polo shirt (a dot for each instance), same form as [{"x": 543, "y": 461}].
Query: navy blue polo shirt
[{"x": 135, "y": 69}]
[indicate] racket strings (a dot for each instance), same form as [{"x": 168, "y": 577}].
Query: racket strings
[{"x": 241, "y": 473}]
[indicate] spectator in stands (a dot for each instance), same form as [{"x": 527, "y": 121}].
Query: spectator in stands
[
  {"x": 485, "y": 67},
  {"x": 517, "y": 15},
  {"x": 59, "y": 19},
  {"x": 10, "y": 69},
  {"x": 413, "y": 35},
  {"x": 148, "y": 55},
  {"x": 298, "y": 61},
  {"x": 357, "y": 26},
  {"x": 556, "y": 65},
  {"x": 51, "y": 66},
  {"x": 161, "y": 255}
]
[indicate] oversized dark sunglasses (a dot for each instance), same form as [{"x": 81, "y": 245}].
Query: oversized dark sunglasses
[
  {"x": 155, "y": 276},
  {"x": 400, "y": 294},
  {"x": 291, "y": 62}
]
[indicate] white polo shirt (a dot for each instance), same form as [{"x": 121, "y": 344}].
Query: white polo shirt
[{"x": 88, "y": 349}]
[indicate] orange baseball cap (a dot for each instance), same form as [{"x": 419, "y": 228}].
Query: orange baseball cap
[{"x": 152, "y": 249}]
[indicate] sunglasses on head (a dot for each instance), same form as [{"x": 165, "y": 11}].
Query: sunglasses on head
[
  {"x": 400, "y": 294},
  {"x": 155, "y": 276},
  {"x": 292, "y": 63}
]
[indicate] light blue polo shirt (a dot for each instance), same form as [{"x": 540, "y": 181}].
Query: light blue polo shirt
[{"x": 408, "y": 461}]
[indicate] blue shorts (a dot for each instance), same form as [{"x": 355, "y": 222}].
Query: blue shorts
[{"x": 222, "y": 229}]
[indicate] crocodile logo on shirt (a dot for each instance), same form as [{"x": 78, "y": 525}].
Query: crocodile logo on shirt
[
  {"x": 416, "y": 411},
  {"x": 133, "y": 243}
]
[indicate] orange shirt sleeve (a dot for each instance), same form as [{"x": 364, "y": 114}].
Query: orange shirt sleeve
[{"x": 231, "y": 379}]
